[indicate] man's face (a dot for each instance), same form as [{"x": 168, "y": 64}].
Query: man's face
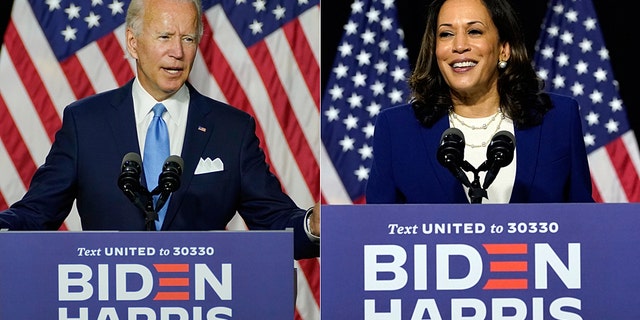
[{"x": 166, "y": 46}]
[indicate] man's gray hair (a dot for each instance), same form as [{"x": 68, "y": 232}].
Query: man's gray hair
[{"x": 136, "y": 9}]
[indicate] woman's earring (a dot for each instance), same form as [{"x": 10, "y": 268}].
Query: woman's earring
[{"x": 502, "y": 64}]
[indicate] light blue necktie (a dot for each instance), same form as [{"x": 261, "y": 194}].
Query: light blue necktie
[{"x": 156, "y": 151}]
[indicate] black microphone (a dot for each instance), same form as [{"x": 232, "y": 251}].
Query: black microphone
[
  {"x": 129, "y": 183},
  {"x": 169, "y": 179},
  {"x": 129, "y": 179},
  {"x": 451, "y": 153},
  {"x": 499, "y": 154}
]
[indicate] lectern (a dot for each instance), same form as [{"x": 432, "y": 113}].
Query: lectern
[
  {"x": 147, "y": 275},
  {"x": 489, "y": 261}
]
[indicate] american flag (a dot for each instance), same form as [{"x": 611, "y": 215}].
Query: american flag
[
  {"x": 261, "y": 56},
  {"x": 572, "y": 58},
  {"x": 369, "y": 73}
]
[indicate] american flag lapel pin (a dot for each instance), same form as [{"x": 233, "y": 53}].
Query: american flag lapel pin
[{"x": 201, "y": 128}]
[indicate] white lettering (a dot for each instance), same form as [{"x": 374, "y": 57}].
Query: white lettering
[
  {"x": 372, "y": 267},
  {"x": 443, "y": 277},
  {"x": 395, "y": 310},
  {"x": 570, "y": 275},
  {"x": 221, "y": 287},
  {"x": 66, "y": 282}
]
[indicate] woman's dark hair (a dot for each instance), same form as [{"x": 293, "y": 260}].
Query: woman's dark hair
[{"x": 519, "y": 87}]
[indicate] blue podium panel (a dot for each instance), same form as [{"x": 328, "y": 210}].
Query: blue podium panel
[
  {"x": 488, "y": 261},
  {"x": 147, "y": 275}
]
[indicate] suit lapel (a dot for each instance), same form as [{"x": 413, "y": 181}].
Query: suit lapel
[
  {"x": 197, "y": 134},
  {"x": 122, "y": 120},
  {"x": 527, "y": 150}
]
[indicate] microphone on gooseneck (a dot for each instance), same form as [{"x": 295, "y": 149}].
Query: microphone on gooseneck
[
  {"x": 129, "y": 179},
  {"x": 169, "y": 179},
  {"x": 499, "y": 155},
  {"x": 451, "y": 153}
]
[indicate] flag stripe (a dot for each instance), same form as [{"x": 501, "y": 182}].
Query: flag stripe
[
  {"x": 98, "y": 75},
  {"x": 12, "y": 140},
  {"x": 116, "y": 56},
  {"x": 304, "y": 58},
  {"x": 304, "y": 110},
  {"x": 27, "y": 71},
  {"x": 311, "y": 268},
  {"x": 285, "y": 116},
  {"x": 43, "y": 58},
  {"x": 624, "y": 169},
  {"x": 308, "y": 290},
  {"x": 595, "y": 192},
  {"x": 78, "y": 79},
  {"x": 605, "y": 178},
  {"x": 21, "y": 114},
  {"x": 11, "y": 188}
]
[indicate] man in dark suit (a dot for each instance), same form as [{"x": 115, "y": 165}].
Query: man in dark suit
[{"x": 224, "y": 169}]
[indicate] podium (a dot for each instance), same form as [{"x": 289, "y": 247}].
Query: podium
[
  {"x": 489, "y": 261},
  {"x": 147, "y": 275}
]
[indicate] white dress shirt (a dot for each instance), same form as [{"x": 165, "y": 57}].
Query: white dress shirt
[{"x": 176, "y": 116}]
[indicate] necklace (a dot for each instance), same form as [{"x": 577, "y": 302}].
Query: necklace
[
  {"x": 485, "y": 143},
  {"x": 481, "y": 127}
]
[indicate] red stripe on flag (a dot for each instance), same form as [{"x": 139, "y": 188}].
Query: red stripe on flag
[
  {"x": 595, "y": 193},
  {"x": 286, "y": 117},
  {"x": 625, "y": 169},
  {"x": 360, "y": 200},
  {"x": 116, "y": 58},
  {"x": 3, "y": 202},
  {"x": 77, "y": 77},
  {"x": 32, "y": 81},
  {"x": 305, "y": 58},
  {"x": 16, "y": 148},
  {"x": 311, "y": 269}
]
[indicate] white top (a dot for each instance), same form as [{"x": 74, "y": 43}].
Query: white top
[{"x": 500, "y": 189}]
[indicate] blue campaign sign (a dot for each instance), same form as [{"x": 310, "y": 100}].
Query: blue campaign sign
[
  {"x": 147, "y": 275},
  {"x": 488, "y": 261}
]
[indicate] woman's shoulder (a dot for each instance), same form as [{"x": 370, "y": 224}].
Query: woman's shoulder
[
  {"x": 401, "y": 110},
  {"x": 560, "y": 100}
]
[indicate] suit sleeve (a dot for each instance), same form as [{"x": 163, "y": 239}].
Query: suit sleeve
[
  {"x": 263, "y": 203},
  {"x": 52, "y": 189}
]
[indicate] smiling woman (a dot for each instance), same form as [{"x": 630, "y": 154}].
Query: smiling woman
[
  {"x": 473, "y": 74},
  {"x": 412, "y": 15}
]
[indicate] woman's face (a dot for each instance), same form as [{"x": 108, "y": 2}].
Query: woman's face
[{"x": 468, "y": 48}]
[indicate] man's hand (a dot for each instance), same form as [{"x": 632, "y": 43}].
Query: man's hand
[{"x": 314, "y": 223}]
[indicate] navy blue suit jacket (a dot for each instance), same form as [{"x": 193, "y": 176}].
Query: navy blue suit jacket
[
  {"x": 85, "y": 161},
  {"x": 551, "y": 161}
]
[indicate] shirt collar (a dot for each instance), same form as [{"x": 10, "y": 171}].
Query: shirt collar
[{"x": 143, "y": 102}]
